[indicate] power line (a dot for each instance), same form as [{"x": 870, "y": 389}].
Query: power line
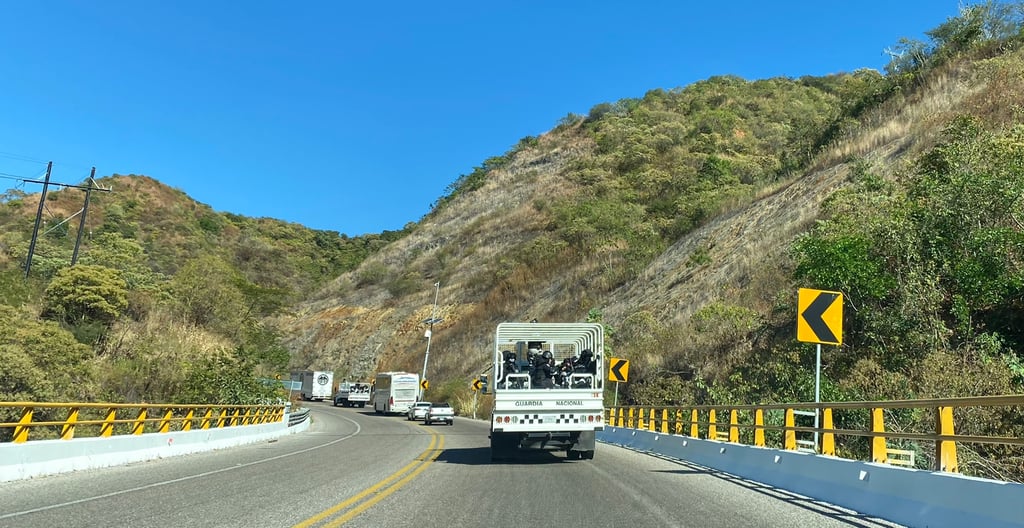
[
  {"x": 8, "y": 176},
  {"x": 42, "y": 203},
  {"x": 29, "y": 159},
  {"x": 20, "y": 157}
]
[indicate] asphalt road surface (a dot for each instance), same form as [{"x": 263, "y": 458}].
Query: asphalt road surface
[{"x": 358, "y": 469}]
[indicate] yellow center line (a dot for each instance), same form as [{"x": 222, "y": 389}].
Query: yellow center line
[
  {"x": 380, "y": 496},
  {"x": 423, "y": 459}
]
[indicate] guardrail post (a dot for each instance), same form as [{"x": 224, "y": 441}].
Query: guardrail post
[
  {"x": 186, "y": 422},
  {"x": 207, "y": 418},
  {"x": 789, "y": 443},
  {"x": 24, "y": 423},
  {"x": 107, "y": 428},
  {"x": 712, "y": 430},
  {"x": 165, "y": 422},
  {"x": 694, "y": 428},
  {"x": 140, "y": 422},
  {"x": 828, "y": 438},
  {"x": 759, "y": 427},
  {"x": 653, "y": 421},
  {"x": 664, "y": 421},
  {"x": 223, "y": 417},
  {"x": 678, "y": 428},
  {"x": 67, "y": 431},
  {"x": 878, "y": 449},
  {"x": 234, "y": 417},
  {"x": 734, "y": 430},
  {"x": 611, "y": 416},
  {"x": 629, "y": 422},
  {"x": 945, "y": 450},
  {"x": 641, "y": 424}
]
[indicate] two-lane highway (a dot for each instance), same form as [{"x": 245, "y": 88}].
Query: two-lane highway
[{"x": 355, "y": 468}]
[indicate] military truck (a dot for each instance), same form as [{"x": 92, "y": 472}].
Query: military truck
[{"x": 547, "y": 391}]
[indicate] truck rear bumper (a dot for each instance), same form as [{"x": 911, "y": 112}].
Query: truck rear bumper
[{"x": 552, "y": 440}]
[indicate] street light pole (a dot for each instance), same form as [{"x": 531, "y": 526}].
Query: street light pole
[{"x": 430, "y": 332}]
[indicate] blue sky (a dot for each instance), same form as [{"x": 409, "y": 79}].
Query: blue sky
[{"x": 355, "y": 116}]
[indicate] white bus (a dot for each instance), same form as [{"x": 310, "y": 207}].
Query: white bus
[{"x": 395, "y": 392}]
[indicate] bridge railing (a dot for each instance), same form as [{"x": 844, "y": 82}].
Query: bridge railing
[
  {"x": 862, "y": 426},
  {"x": 66, "y": 420}
]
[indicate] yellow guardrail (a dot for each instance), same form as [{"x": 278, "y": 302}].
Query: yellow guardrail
[
  {"x": 110, "y": 419},
  {"x": 730, "y": 422}
]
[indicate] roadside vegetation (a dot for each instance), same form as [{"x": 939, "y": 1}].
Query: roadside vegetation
[
  {"x": 172, "y": 301},
  {"x": 168, "y": 301}
]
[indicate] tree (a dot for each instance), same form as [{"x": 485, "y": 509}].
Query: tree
[
  {"x": 205, "y": 294},
  {"x": 86, "y": 293},
  {"x": 41, "y": 361},
  {"x": 115, "y": 251}
]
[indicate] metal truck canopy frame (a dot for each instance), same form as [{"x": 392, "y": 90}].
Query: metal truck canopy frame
[
  {"x": 579, "y": 335},
  {"x": 563, "y": 340}
]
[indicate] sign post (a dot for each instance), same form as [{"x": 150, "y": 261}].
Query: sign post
[
  {"x": 618, "y": 371},
  {"x": 820, "y": 321}
]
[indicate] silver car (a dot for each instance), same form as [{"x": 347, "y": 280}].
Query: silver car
[{"x": 418, "y": 410}]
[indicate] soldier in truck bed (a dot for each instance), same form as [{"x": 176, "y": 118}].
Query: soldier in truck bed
[{"x": 542, "y": 371}]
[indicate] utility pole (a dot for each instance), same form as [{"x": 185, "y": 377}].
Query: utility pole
[
  {"x": 88, "y": 187},
  {"x": 430, "y": 332},
  {"x": 39, "y": 219},
  {"x": 81, "y": 221}
]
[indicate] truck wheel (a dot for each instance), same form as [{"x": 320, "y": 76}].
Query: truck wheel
[{"x": 426, "y": 422}]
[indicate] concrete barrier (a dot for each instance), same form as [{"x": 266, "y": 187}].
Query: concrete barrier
[
  {"x": 48, "y": 457},
  {"x": 907, "y": 496}
]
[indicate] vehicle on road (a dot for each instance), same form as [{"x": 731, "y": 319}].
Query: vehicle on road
[
  {"x": 418, "y": 410},
  {"x": 314, "y": 385},
  {"x": 440, "y": 412},
  {"x": 547, "y": 392},
  {"x": 352, "y": 394},
  {"x": 395, "y": 392}
]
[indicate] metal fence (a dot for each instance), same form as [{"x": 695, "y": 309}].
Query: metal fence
[
  {"x": 67, "y": 420},
  {"x": 847, "y": 429},
  {"x": 297, "y": 417}
]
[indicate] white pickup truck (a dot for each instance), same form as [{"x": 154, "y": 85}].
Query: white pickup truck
[{"x": 440, "y": 412}]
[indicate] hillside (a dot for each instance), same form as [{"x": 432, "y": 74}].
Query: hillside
[
  {"x": 501, "y": 249},
  {"x": 173, "y": 228},
  {"x": 167, "y": 300}
]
